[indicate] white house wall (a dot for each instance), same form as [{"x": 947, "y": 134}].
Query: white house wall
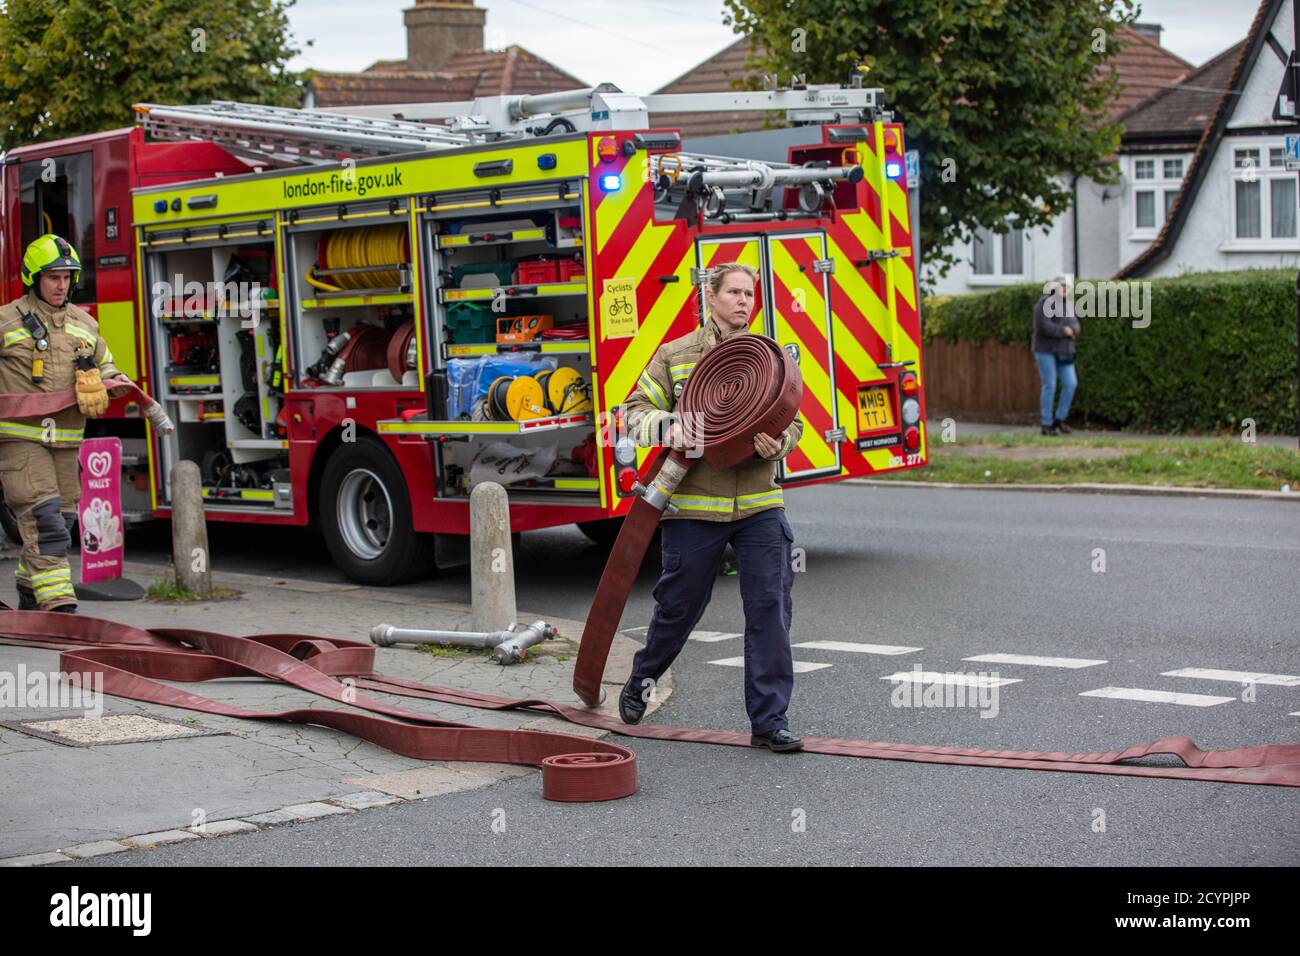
[{"x": 1099, "y": 218}]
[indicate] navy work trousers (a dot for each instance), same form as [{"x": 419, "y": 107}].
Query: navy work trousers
[{"x": 692, "y": 552}]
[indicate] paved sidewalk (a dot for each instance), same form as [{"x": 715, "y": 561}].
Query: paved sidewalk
[{"x": 60, "y": 802}]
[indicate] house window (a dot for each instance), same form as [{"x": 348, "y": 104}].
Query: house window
[
  {"x": 1156, "y": 183},
  {"x": 1254, "y": 185},
  {"x": 998, "y": 255},
  {"x": 1146, "y": 209}
]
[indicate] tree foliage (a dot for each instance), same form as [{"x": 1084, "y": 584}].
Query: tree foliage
[
  {"x": 1004, "y": 99},
  {"x": 69, "y": 67}
]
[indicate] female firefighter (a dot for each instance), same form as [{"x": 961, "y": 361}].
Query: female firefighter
[{"x": 742, "y": 506}]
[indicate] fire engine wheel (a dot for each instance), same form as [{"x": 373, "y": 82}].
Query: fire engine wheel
[
  {"x": 602, "y": 532},
  {"x": 365, "y": 516}
]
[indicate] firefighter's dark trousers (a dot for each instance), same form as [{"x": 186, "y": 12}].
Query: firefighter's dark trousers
[
  {"x": 692, "y": 552},
  {"x": 40, "y": 483}
]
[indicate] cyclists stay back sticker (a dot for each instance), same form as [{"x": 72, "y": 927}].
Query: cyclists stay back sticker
[{"x": 618, "y": 308}]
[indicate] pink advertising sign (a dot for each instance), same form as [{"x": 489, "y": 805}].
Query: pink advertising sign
[{"x": 99, "y": 515}]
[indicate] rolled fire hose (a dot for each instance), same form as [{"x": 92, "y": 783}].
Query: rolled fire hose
[
  {"x": 401, "y": 351},
  {"x": 30, "y": 404},
  {"x": 746, "y": 385},
  {"x": 134, "y": 662}
]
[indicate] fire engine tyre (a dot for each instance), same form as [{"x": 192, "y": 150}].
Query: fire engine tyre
[
  {"x": 365, "y": 518},
  {"x": 603, "y": 532}
]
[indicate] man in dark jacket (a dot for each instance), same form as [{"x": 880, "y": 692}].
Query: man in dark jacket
[{"x": 1055, "y": 332}]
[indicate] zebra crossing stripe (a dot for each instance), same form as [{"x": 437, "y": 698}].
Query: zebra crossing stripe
[
  {"x": 1157, "y": 696},
  {"x": 1237, "y": 677},
  {"x": 856, "y": 648},
  {"x": 800, "y": 667},
  {"x": 1032, "y": 661},
  {"x": 711, "y": 637},
  {"x": 969, "y": 680}
]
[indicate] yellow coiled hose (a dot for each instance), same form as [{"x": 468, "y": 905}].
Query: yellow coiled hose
[{"x": 356, "y": 248}]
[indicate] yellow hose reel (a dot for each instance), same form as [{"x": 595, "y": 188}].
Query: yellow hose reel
[{"x": 361, "y": 247}]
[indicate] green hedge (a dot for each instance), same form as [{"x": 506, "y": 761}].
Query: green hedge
[{"x": 1221, "y": 347}]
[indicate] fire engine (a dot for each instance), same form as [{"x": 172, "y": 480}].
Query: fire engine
[{"x": 355, "y": 316}]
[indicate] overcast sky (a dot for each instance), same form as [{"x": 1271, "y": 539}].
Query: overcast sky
[{"x": 642, "y": 44}]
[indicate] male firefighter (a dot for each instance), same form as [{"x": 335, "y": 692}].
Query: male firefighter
[
  {"x": 741, "y": 506},
  {"x": 48, "y": 344}
]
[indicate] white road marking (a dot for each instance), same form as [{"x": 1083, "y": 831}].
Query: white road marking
[
  {"x": 800, "y": 667},
  {"x": 1158, "y": 696},
  {"x": 711, "y": 637},
  {"x": 859, "y": 648},
  {"x": 634, "y": 630},
  {"x": 969, "y": 680},
  {"x": 1032, "y": 661},
  {"x": 1237, "y": 677}
]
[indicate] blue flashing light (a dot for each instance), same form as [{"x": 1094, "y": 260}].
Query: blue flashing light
[
  {"x": 160, "y": 205},
  {"x": 894, "y": 170},
  {"x": 546, "y": 161},
  {"x": 611, "y": 182}
]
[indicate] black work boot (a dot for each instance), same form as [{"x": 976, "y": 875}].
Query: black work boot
[
  {"x": 65, "y": 609},
  {"x": 631, "y": 706},
  {"x": 27, "y": 599}
]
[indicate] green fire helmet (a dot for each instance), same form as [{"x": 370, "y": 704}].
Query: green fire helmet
[{"x": 50, "y": 252}]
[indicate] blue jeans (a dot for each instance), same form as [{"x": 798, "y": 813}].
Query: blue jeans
[
  {"x": 1049, "y": 370},
  {"x": 692, "y": 550}
]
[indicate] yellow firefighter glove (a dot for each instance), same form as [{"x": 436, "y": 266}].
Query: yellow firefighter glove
[{"x": 92, "y": 396}]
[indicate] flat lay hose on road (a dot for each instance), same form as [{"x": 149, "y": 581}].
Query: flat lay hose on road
[
  {"x": 752, "y": 386},
  {"x": 134, "y": 661}
]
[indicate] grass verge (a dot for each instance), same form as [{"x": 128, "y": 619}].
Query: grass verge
[{"x": 1221, "y": 463}]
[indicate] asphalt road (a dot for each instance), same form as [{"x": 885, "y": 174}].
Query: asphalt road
[{"x": 1188, "y": 583}]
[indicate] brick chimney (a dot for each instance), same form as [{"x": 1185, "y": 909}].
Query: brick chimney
[{"x": 437, "y": 30}]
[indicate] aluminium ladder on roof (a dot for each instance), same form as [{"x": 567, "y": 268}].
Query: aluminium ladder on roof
[{"x": 293, "y": 136}]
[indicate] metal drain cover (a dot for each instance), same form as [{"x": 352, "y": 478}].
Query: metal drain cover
[{"x": 111, "y": 729}]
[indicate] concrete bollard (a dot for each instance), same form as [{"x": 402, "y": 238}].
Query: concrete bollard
[
  {"x": 491, "y": 561},
  {"x": 190, "y": 530}
]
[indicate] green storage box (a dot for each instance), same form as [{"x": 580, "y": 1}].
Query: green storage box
[{"x": 470, "y": 323}]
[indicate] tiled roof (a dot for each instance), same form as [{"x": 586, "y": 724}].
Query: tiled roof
[
  {"x": 1184, "y": 109},
  {"x": 714, "y": 75},
  {"x": 482, "y": 73},
  {"x": 1144, "y": 67}
]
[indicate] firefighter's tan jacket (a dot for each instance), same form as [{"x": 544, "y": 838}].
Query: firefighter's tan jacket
[
  {"x": 72, "y": 332},
  {"x": 706, "y": 493}
]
